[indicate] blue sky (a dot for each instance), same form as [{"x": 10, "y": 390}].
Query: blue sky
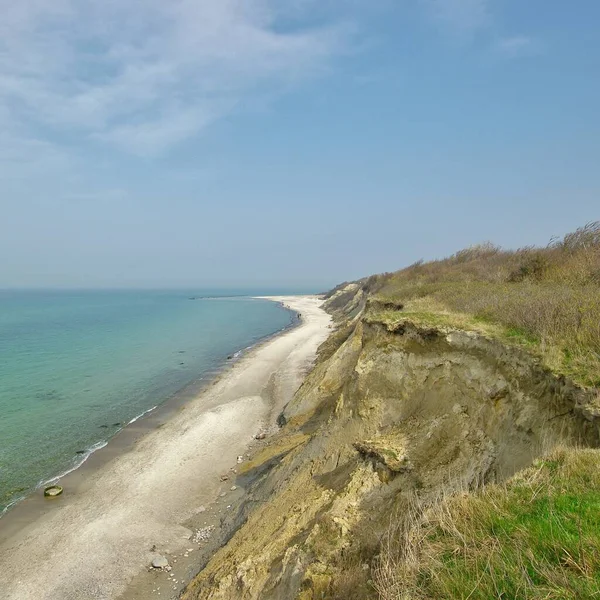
[{"x": 295, "y": 143}]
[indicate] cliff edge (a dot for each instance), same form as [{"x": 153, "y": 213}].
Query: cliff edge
[{"x": 405, "y": 410}]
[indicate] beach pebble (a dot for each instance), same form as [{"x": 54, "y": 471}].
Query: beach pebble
[{"x": 160, "y": 562}]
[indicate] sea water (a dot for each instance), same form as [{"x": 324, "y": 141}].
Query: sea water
[{"x": 76, "y": 367}]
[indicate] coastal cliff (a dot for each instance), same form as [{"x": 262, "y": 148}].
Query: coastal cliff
[{"x": 404, "y": 411}]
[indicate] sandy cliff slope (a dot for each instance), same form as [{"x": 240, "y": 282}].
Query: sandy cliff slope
[{"x": 391, "y": 412}]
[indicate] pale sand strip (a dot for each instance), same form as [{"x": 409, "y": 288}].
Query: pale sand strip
[{"x": 99, "y": 537}]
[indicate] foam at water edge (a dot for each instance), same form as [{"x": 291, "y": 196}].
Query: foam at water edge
[
  {"x": 142, "y": 415},
  {"x": 97, "y": 446}
]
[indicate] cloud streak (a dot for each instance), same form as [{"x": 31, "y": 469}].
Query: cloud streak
[
  {"x": 144, "y": 75},
  {"x": 518, "y": 46},
  {"x": 461, "y": 16}
]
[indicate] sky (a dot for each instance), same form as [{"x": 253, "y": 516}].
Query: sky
[{"x": 231, "y": 143}]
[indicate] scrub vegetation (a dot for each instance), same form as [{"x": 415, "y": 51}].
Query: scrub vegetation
[{"x": 547, "y": 299}]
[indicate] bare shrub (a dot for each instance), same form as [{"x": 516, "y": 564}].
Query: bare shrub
[{"x": 583, "y": 238}]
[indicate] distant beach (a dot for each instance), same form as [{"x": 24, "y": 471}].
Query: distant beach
[{"x": 136, "y": 498}]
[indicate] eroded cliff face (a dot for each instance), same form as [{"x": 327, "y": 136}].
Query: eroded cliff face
[{"x": 387, "y": 414}]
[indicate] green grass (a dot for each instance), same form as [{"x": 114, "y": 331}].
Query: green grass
[{"x": 537, "y": 537}]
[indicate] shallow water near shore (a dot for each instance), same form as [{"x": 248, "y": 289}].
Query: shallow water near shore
[{"x": 77, "y": 367}]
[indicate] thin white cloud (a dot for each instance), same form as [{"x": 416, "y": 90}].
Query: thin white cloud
[
  {"x": 146, "y": 74},
  {"x": 25, "y": 158},
  {"x": 460, "y": 16},
  {"x": 115, "y": 195},
  {"x": 162, "y": 131},
  {"x": 518, "y": 46}
]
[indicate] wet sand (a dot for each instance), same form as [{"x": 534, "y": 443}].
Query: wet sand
[{"x": 97, "y": 540}]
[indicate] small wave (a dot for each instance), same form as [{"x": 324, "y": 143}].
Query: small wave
[
  {"x": 142, "y": 414},
  {"x": 94, "y": 448},
  {"x": 80, "y": 460},
  {"x": 11, "y": 504}
]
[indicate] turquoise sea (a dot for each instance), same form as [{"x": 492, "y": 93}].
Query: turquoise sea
[{"x": 76, "y": 367}]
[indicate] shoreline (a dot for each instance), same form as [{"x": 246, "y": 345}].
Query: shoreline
[
  {"x": 122, "y": 499},
  {"x": 163, "y": 410}
]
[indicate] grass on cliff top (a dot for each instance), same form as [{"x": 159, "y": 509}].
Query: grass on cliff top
[
  {"x": 536, "y": 537},
  {"x": 428, "y": 312},
  {"x": 547, "y": 298}
]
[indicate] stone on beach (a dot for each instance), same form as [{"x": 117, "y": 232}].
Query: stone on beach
[
  {"x": 160, "y": 562},
  {"x": 53, "y": 491}
]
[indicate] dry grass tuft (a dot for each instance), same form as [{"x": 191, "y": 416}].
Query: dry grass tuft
[{"x": 537, "y": 537}]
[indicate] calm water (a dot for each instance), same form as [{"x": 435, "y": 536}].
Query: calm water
[{"x": 75, "y": 367}]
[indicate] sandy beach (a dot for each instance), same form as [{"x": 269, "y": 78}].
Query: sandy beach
[{"x": 110, "y": 523}]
